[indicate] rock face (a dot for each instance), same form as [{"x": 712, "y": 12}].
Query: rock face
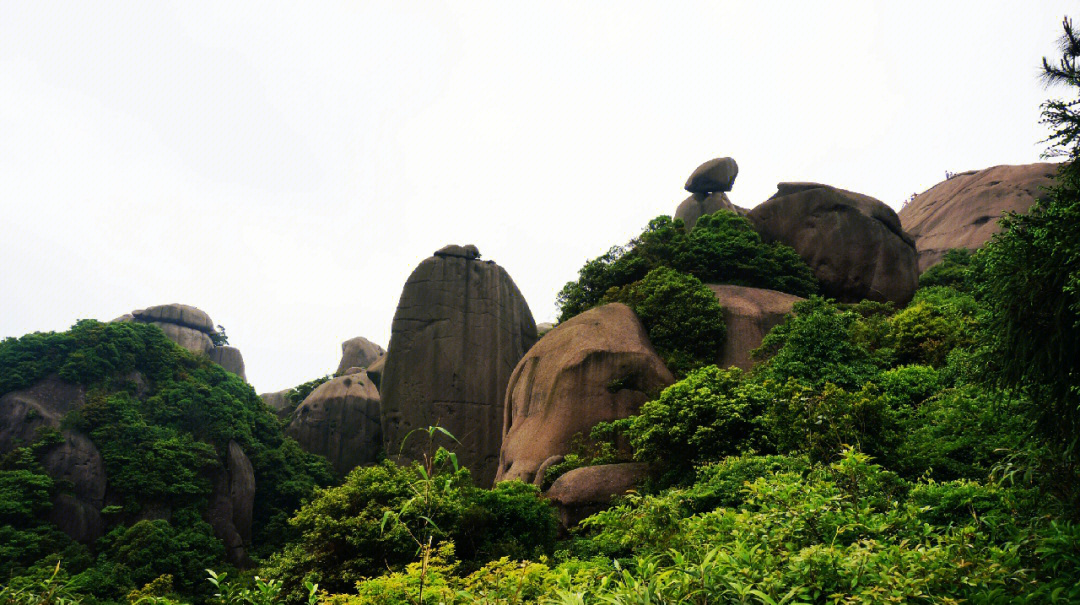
[
  {"x": 192, "y": 329},
  {"x": 232, "y": 503},
  {"x": 749, "y": 314},
  {"x": 358, "y": 352},
  {"x": 707, "y": 186},
  {"x": 963, "y": 211},
  {"x": 852, "y": 242},
  {"x": 76, "y": 459},
  {"x": 340, "y": 420},
  {"x": 460, "y": 328},
  {"x": 375, "y": 370},
  {"x": 230, "y": 359},
  {"x": 586, "y": 491},
  {"x": 595, "y": 367}
]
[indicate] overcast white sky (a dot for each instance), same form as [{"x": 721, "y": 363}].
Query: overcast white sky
[{"x": 285, "y": 168}]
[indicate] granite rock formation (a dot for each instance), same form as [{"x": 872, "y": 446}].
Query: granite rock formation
[
  {"x": 279, "y": 402},
  {"x": 340, "y": 420},
  {"x": 460, "y": 327},
  {"x": 192, "y": 329},
  {"x": 232, "y": 503},
  {"x": 375, "y": 370},
  {"x": 708, "y": 186},
  {"x": 585, "y": 491},
  {"x": 358, "y": 352},
  {"x": 853, "y": 243},
  {"x": 749, "y": 314},
  {"x": 597, "y": 366},
  {"x": 963, "y": 210}
]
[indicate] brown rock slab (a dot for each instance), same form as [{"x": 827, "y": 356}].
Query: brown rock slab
[
  {"x": 853, "y": 243},
  {"x": 460, "y": 327},
  {"x": 585, "y": 491},
  {"x": 178, "y": 314},
  {"x": 749, "y": 314},
  {"x": 597, "y": 366},
  {"x": 358, "y": 352},
  {"x": 700, "y": 204},
  {"x": 963, "y": 211},
  {"x": 340, "y": 420},
  {"x": 375, "y": 370},
  {"x": 279, "y": 402}
]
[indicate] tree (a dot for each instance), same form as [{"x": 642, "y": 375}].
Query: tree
[{"x": 1029, "y": 276}]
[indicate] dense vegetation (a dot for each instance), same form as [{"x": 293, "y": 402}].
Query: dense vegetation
[
  {"x": 875, "y": 455},
  {"x": 161, "y": 419}
]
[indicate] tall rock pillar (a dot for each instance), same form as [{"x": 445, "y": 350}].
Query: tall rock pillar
[{"x": 460, "y": 328}]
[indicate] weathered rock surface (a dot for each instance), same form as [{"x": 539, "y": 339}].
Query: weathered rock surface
[
  {"x": 598, "y": 366},
  {"x": 468, "y": 251},
  {"x": 963, "y": 211},
  {"x": 340, "y": 420},
  {"x": 852, "y": 242},
  {"x": 232, "y": 503},
  {"x": 230, "y": 359},
  {"x": 749, "y": 314},
  {"x": 358, "y": 352},
  {"x": 543, "y": 328},
  {"x": 181, "y": 315},
  {"x": 715, "y": 175},
  {"x": 376, "y": 369},
  {"x": 460, "y": 328},
  {"x": 279, "y": 402},
  {"x": 586, "y": 491},
  {"x": 75, "y": 459},
  {"x": 193, "y": 340}
]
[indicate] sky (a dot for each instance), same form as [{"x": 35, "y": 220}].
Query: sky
[{"x": 285, "y": 166}]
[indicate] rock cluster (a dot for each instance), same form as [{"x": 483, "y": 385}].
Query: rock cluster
[
  {"x": 708, "y": 187},
  {"x": 588, "y": 490},
  {"x": 963, "y": 210},
  {"x": 597, "y": 366},
  {"x": 192, "y": 329},
  {"x": 460, "y": 327},
  {"x": 853, "y": 243}
]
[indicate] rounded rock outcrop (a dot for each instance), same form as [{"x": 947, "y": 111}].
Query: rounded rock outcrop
[
  {"x": 340, "y": 420},
  {"x": 852, "y": 242},
  {"x": 597, "y": 366},
  {"x": 358, "y": 352},
  {"x": 191, "y": 328},
  {"x": 707, "y": 186},
  {"x": 963, "y": 210},
  {"x": 460, "y": 327},
  {"x": 585, "y": 491}
]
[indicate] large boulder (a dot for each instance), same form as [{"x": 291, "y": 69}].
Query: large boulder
[
  {"x": 598, "y": 366},
  {"x": 340, "y": 420},
  {"x": 376, "y": 369},
  {"x": 585, "y": 491},
  {"x": 75, "y": 460},
  {"x": 749, "y": 314},
  {"x": 358, "y": 352},
  {"x": 460, "y": 327},
  {"x": 700, "y": 204},
  {"x": 853, "y": 243},
  {"x": 963, "y": 210}
]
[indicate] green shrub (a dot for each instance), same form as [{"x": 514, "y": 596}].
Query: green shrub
[
  {"x": 821, "y": 421},
  {"x": 710, "y": 414},
  {"x": 682, "y": 316},
  {"x": 953, "y": 271},
  {"x": 815, "y": 346},
  {"x": 936, "y": 321},
  {"x": 722, "y": 248}
]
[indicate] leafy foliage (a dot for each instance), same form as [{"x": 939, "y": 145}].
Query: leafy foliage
[
  {"x": 682, "y": 315},
  {"x": 954, "y": 271},
  {"x": 722, "y": 248}
]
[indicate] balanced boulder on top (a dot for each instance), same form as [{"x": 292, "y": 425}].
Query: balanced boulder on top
[
  {"x": 460, "y": 327},
  {"x": 358, "y": 352},
  {"x": 963, "y": 210},
  {"x": 191, "y": 328},
  {"x": 707, "y": 186},
  {"x": 852, "y": 242}
]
